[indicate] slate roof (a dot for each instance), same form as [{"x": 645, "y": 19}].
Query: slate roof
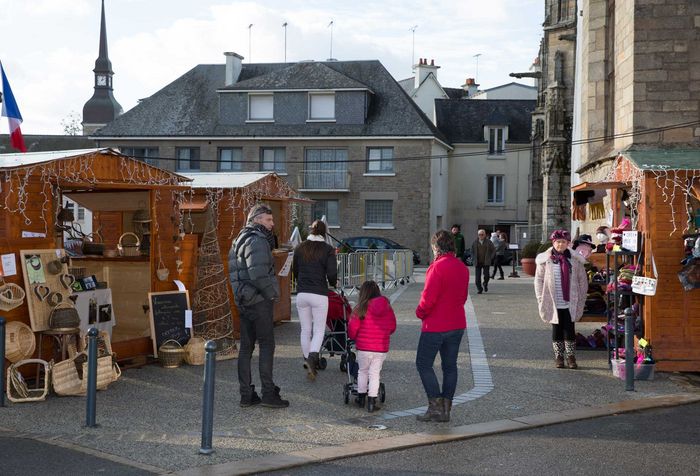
[
  {"x": 407, "y": 85},
  {"x": 454, "y": 93},
  {"x": 303, "y": 76},
  {"x": 189, "y": 106},
  {"x": 463, "y": 120},
  {"x": 41, "y": 142}
]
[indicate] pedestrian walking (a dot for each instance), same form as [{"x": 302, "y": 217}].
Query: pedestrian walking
[
  {"x": 441, "y": 308},
  {"x": 371, "y": 324},
  {"x": 460, "y": 245},
  {"x": 500, "y": 255},
  {"x": 255, "y": 289},
  {"x": 314, "y": 268},
  {"x": 483, "y": 252},
  {"x": 561, "y": 284}
]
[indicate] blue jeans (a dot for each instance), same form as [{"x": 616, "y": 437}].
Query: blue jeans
[{"x": 447, "y": 343}]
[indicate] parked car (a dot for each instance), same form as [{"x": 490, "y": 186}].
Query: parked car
[{"x": 373, "y": 243}]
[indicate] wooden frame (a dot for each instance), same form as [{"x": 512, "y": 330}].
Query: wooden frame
[{"x": 40, "y": 310}]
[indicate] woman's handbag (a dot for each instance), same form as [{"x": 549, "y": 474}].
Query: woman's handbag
[
  {"x": 644, "y": 285},
  {"x": 69, "y": 377}
]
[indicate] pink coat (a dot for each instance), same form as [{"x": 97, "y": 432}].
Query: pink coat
[
  {"x": 371, "y": 334},
  {"x": 441, "y": 306},
  {"x": 544, "y": 287}
]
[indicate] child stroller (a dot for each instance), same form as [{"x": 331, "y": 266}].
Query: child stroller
[{"x": 336, "y": 339}]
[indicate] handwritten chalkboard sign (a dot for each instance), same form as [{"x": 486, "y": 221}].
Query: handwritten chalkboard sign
[{"x": 167, "y": 311}]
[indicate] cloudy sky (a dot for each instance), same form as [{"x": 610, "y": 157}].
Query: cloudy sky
[{"x": 49, "y": 47}]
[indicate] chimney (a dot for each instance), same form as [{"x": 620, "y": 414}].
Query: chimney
[
  {"x": 422, "y": 70},
  {"x": 234, "y": 64},
  {"x": 470, "y": 87}
]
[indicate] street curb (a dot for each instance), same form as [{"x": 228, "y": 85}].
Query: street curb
[{"x": 362, "y": 448}]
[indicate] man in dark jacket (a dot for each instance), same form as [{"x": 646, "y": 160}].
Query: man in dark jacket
[
  {"x": 459, "y": 242},
  {"x": 255, "y": 288},
  {"x": 483, "y": 252}
]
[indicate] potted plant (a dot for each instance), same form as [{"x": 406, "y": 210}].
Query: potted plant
[{"x": 527, "y": 257}]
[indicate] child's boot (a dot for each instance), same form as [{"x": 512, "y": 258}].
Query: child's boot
[
  {"x": 558, "y": 347},
  {"x": 372, "y": 404},
  {"x": 360, "y": 400},
  {"x": 570, "y": 354}
]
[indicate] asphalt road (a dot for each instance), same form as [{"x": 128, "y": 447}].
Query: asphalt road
[{"x": 654, "y": 442}]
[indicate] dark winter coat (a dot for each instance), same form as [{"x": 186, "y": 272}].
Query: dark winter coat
[
  {"x": 489, "y": 252},
  {"x": 251, "y": 268},
  {"x": 315, "y": 276}
]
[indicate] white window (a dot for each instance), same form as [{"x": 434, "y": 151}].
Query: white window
[
  {"x": 273, "y": 159},
  {"x": 380, "y": 159},
  {"x": 230, "y": 160},
  {"x": 495, "y": 193},
  {"x": 260, "y": 107},
  {"x": 321, "y": 106},
  {"x": 379, "y": 213},
  {"x": 497, "y": 140},
  {"x": 329, "y": 208}
]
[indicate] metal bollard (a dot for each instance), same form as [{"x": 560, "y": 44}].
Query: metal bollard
[
  {"x": 92, "y": 378},
  {"x": 208, "y": 401},
  {"x": 629, "y": 350},
  {"x": 2, "y": 361}
]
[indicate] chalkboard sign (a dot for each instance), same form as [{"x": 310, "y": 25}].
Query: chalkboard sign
[{"x": 167, "y": 311}]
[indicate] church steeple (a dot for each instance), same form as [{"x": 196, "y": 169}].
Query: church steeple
[{"x": 102, "y": 108}]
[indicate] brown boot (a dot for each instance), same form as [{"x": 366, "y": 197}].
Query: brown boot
[
  {"x": 433, "y": 412},
  {"x": 558, "y": 347},
  {"x": 446, "y": 409},
  {"x": 570, "y": 356},
  {"x": 312, "y": 365}
]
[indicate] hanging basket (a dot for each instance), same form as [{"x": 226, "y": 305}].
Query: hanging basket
[
  {"x": 64, "y": 316},
  {"x": 11, "y": 296},
  {"x": 194, "y": 351},
  {"x": 20, "y": 342},
  {"x": 130, "y": 249},
  {"x": 171, "y": 354}
]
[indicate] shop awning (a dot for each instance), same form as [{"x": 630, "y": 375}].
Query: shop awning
[{"x": 598, "y": 186}]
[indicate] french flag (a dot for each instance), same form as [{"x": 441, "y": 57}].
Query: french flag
[{"x": 11, "y": 112}]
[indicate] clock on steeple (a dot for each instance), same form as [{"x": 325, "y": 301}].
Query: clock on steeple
[{"x": 102, "y": 108}]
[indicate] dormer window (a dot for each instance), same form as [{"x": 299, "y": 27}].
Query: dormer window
[
  {"x": 496, "y": 137},
  {"x": 260, "y": 107},
  {"x": 321, "y": 106}
]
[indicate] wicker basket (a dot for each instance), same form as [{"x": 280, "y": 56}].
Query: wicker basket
[
  {"x": 171, "y": 354},
  {"x": 17, "y": 389},
  {"x": 67, "y": 380},
  {"x": 92, "y": 247},
  {"x": 131, "y": 249},
  {"x": 104, "y": 344},
  {"x": 20, "y": 342},
  {"x": 64, "y": 316},
  {"x": 194, "y": 351},
  {"x": 11, "y": 296}
]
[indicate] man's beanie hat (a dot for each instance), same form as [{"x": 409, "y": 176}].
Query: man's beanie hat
[{"x": 257, "y": 210}]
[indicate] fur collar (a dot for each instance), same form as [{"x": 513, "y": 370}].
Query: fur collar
[
  {"x": 546, "y": 255},
  {"x": 315, "y": 238}
]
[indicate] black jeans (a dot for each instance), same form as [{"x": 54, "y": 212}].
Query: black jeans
[
  {"x": 478, "y": 270},
  {"x": 447, "y": 344},
  {"x": 256, "y": 325},
  {"x": 565, "y": 330},
  {"x": 497, "y": 266}
]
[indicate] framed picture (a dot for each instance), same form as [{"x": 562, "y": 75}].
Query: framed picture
[{"x": 88, "y": 283}]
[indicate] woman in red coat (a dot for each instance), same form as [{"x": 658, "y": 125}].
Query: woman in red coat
[
  {"x": 441, "y": 309},
  {"x": 371, "y": 325}
]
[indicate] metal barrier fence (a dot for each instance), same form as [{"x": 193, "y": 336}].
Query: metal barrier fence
[
  {"x": 526, "y": 233},
  {"x": 386, "y": 267}
]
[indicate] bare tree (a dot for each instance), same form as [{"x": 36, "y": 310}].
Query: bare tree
[{"x": 71, "y": 124}]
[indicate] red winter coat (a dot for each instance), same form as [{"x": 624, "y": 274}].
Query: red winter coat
[
  {"x": 441, "y": 306},
  {"x": 372, "y": 333}
]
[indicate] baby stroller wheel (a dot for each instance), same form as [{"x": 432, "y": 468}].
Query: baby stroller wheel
[
  {"x": 322, "y": 363},
  {"x": 346, "y": 393},
  {"x": 382, "y": 393},
  {"x": 343, "y": 363}
]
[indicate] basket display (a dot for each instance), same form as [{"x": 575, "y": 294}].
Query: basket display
[
  {"x": 194, "y": 351},
  {"x": 91, "y": 247},
  {"x": 104, "y": 344},
  {"x": 11, "y": 296},
  {"x": 171, "y": 354},
  {"x": 130, "y": 249},
  {"x": 69, "y": 377},
  {"x": 17, "y": 389},
  {"x": 64, "y": 316},
  {"x": 20, "y": 342}
]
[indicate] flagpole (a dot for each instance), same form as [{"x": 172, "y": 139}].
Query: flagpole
[
  {"x": 284, "y": 25},
  {"x": 250, "y": 54}
]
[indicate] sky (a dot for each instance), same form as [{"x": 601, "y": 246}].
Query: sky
[{"x": 48, "y": 47}]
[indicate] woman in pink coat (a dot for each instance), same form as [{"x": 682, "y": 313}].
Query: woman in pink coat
[
  {"x": 561, "y": 285},
  {"x": 371, "y": 325}
]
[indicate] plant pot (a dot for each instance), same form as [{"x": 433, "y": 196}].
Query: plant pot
[{"x": 529, "y": 266}]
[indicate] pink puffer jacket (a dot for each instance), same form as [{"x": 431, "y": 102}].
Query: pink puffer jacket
[{"x": 371, "y": 334}]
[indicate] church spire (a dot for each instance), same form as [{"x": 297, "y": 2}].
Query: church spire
[{"x": 102, "y": 108}]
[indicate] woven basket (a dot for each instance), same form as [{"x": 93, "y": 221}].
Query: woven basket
[
  {"x": 171, "y": 354},
  {"x": 194, "y": 351},
  {"x": 104, "y": 344},
  {"x": 66, "y": 380},
  {"x": 92, "y": 247},
  {"x": 17, "y": 389},
  {"x": 131, "y": 249},
  {"x": 64, "y": 316},
  {"x": 20, "y": 342},
  {"x": 11, "y": 296}
]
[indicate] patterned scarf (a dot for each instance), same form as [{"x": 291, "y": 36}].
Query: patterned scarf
[
  {"x": 563, "y": 260},
  {"x": 268, "y": 234}
]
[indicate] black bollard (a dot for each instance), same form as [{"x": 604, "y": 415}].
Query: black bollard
[
  {"x": 208, "y": 401},
  {"x": 2, "y": 361},
  {"x": 629, "y": 350},
  {"x": 91, "y": 378}
]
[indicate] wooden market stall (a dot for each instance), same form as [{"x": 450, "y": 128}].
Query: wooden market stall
[
  {"x": 659, "y": 190},
  {"x": 125, "y": 196}
]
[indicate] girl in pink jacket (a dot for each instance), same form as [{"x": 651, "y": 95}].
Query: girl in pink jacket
[{"x": 371, "y": 325}]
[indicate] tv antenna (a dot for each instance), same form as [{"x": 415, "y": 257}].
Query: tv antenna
[
  {"x": 413, "y": 44},
  {"x": 476, "y": 76},
  {"x": 250, "y": 54},
  {"x": 284, "y": 25},
  {"x": 330, "y": 25}
]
